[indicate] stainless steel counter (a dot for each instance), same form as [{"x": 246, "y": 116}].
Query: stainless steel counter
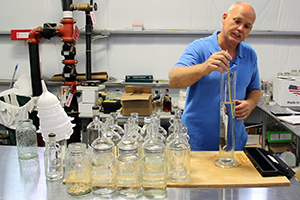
[{"x": 24, "y": 179}]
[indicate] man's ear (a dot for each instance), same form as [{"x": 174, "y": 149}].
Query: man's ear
[{"x": 224, "y": 16}]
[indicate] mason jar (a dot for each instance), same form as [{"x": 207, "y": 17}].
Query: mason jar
[
  {"x": 78, "y": 170},
  {"x": 154, "y": 170},
  {"x": 103, "y": 167},
  {"x": 129, "y": 173},
  {"x": 26, "y": 138}
]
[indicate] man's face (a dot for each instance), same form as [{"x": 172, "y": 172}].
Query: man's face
[{"x": 238, "y": 23}]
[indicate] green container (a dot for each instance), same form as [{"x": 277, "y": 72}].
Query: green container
[{"x": 280, "y": 136}]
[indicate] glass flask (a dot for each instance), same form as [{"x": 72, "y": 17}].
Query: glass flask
[
  {"x": 110, "y": 133},
  {"x": 136, "y": 131},
  {"x": 117, "y": 128},
  {"x": 178, "y": 156},
  {"x": 146, "y": 130},
  {"x": 128, "y": 174},
  {"x": 161, "y": 129},
  {"x": 26, "y": 138},
  {"x": 78, "y": 170},
  {"x": 103, "y": 167},
  {"x": 227, "y": 120},
  {"x": 154, "y": 178},
  {"x": 171, "y": 130},
  {"x": 94, "y": 128},
  {"x": 53, "y": 159}
]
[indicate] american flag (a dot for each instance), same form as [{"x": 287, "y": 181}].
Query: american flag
[{"x": 294, "y": 89}]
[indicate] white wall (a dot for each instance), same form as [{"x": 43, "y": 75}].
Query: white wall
[{"x": 144, "y": 54}]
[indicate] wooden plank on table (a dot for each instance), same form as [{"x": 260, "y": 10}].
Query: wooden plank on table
[{"x": 204, "y": 173}]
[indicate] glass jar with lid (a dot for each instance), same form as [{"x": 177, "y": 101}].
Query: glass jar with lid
[
  {"x": 128, "y": 174},
  {"x": 103, "y": 167},
  {"x": 78, "y": 170},
  {"x": 154, "y": 179}
]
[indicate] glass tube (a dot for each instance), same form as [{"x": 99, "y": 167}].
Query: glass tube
[{"x": 227, "y": 120}]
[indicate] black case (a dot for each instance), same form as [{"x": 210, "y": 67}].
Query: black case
[{"x": 268, "y": 163}]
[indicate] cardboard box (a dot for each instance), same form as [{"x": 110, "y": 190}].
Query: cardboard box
[
  {"x": 286, "y": 92},
  {"x": 280, "y": 147},
  {"x": 137, "y": 99}
]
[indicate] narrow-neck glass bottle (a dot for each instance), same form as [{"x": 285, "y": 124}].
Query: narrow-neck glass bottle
[
  {"x": 128, "y": 175},
  {"x": 117, "y": 128},
  {"x": 154, "y": 179},
  {"x": 53, "y": 160},
  {"x": 94, "y": 128},
  {"x": 178, "y": 156},
  {"x": 103, "y": 167},
  {"x": 174, "y": 122}
]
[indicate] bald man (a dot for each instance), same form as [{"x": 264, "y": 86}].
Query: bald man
[{"x": 199, "y": 69}]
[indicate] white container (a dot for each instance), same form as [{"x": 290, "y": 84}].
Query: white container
[
  {"x": 286, "y": 92},
  {"x": 289, "y": 158}
]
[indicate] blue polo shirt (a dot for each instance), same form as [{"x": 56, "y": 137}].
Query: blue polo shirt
[{"x": 202, "y": 110}]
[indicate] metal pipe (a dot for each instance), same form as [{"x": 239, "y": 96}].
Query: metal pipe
[
  {"x": 66, "y": 4},
  {"x": 35, "y": 69},
  {"x": 88, "y": 33}
]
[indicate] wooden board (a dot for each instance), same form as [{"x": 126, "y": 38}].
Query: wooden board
[{"x": 204, "y": 173}]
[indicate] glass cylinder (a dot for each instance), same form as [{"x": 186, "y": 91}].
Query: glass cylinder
[
  {"x": 53, "y": 160},
  {"x": 26, "y": 138},
  {"x": 227, "y": 120},
  {"x": 103, "y": 167},
  {"x": 128, "y": 168},
  {"x": 78, "y": 170}
]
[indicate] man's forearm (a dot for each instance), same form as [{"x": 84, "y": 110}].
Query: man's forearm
[
  {"x": 253, "y": 98},
  {"x": 181, "y": 77}
]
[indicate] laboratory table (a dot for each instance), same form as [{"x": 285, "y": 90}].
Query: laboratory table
[
  {"x": 295, "y": 129},
  {"x": 24, "y": 179}
]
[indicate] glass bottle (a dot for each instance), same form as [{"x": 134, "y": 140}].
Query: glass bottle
[
  {"x": 128, "y": 174},
  {"x": 78, "y": 170},
  {"x": 161, "y": 129},
  {"x": 26, "y": 139},
  {"x": 136, "y": 131},
  {"x": 167, "y": 102},
  {"x": 154, "y": 179},
  {"x": 109, "y": 132},
  {"x": 117, "y": 128},
  {"x": 147, "y": 128},
  {"x": 103, "y": 167},
  {"x": 53, "y": 160},
  {"x": 94, "y": 128},
  {"x": 157, "y": 101},
  {"x": 178, "y": 156},
  {"x": 171, "y": 130}
]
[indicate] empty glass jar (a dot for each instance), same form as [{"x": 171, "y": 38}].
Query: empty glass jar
[{"x": 26, "y": 138}]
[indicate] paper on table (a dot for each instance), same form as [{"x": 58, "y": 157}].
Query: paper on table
[{"x": 293, "y": 119}]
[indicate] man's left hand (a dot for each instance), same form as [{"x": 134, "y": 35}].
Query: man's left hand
[{"x": 242, "y": 109}]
